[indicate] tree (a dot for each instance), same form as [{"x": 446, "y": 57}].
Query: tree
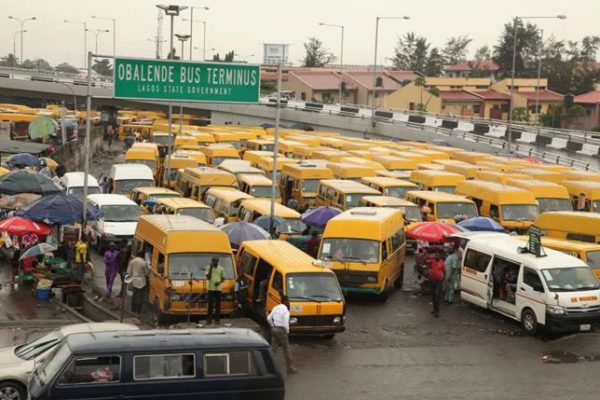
[
  {"x": 520, "y": 114},
  {"x": 27, "y": 64},
  {"x": 216, "y": 57},
  {"x": 8, "y": 61},
  {"x": 103, "y": 67},
  {"x": 455, "y": 49},
  {"x": 435, "y": 63},
  {"x": 66, "y": 67},
  {"x": 433, "y": 91},
  {"x": 483, "y": 53},
  {"x": 229, "y": 56},
  {"x": 528, "y": 43},
  {"x": 558, "y": 117},
  {"x": 316, "y": 55},
  {"x": 411, "y": 53}
]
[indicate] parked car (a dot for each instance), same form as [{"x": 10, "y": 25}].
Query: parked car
[{"x": 17, "y": 362}]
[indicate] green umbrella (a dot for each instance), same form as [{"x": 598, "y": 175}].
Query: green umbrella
[{"x": 42, "y": 127}]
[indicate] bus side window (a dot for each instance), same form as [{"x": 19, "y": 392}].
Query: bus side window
[
  {"x": 494, "y": 212},
  {"x": 384, "y": 250},
  {"x": 160, "y": 264}
]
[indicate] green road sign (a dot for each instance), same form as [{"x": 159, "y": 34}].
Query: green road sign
[
  {"x": 186, "y": 81},
  {"x": 535, "y": 241}
]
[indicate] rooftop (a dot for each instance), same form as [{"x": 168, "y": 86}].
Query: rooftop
[
  {"x": 588, "y": 98},
  {"x": 544, "y": 95},
  {"x": 444, "y": 81},
  {"x": 321, "y": 80},
  {"x": 366, "y": 80},
  {"x": 466, "y": 66},
  {"x": 459, "y": 95}
]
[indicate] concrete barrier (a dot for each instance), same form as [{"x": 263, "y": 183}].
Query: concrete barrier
[
  {"x": 574, "y": 146},
  {"x": 384, "y": 114},
  {"x": 480, "y": 129},
  {"x": 418, "y": 119},
  {"x": 349, "y": 110},
  {"x": 449, "y": 124},
  {"x": 541, "y": 140}
]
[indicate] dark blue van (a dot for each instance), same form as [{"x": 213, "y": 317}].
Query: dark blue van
[{"x": 215, "y": 364}]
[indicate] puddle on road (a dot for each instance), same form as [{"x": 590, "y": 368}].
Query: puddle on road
[{"x": 565, "y": 357}]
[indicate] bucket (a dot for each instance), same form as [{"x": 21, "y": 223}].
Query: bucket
[
  {"x": 43, "y": 293},
  {"x": 58, "y": 294}
]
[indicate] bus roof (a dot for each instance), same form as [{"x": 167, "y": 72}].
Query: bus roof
[
  {"x": 388, "y": 201},
  {"x": 541, "y": 188},
  {"x": 387, "y": 182},
  {"x": 307, "y": 170},
  {"x": 576, "y": 221},
  {"x": 590, "y": 188},
  {"x": 436, "y": 178},
  {"x": 263, "y": 206},
  {"x": 228, "y": 193},
  {"x": 282, "y": 254},
  {"x": 181, "y": 202},
  {"x": 255, "y": 180},
  {"x": 495, "y": 193},
  {"x": 347, "y": 186},
  {"x": 508, "y": 247},
  {"x": 440, "y": 197},
  {"x": 150, "y": 190},
  {"x": 131, "y": 171},
  {"x": 563, "y": 244},
  {"x": 347, "y": 170},
  {"x": 374, "y": 223}
]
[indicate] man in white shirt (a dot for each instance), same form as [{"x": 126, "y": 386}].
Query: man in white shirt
[
  {"x": 279, "y": 320},
  {"x": 220, "y": 220}
]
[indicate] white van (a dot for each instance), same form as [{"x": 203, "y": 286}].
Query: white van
[
  {"x": 555, "y": 291},
  {"x": 73, "y": 184},
  {"x": 126, "y": 177},
  {"x": 118, "y": 222}
]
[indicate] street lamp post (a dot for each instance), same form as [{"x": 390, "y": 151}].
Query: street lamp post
[
  {"x": 512, "y": 73},
  {"x": 192, "y": 26},
  {"x": 405, "y": 17},
  {"x": 171, "y": 11},
  {"x": 539, "y": 76},
  {"x": 114, "y": 31},
  {"x": 15, "y": 45},
  {"x": 85, "y": 56},
  {"x": 22, "y": 22},
  {"x": 96, "y": 33},
  {"x": 341, "y": 27},
  {"x": 203, "y": 37},
  {"x": 182, "y": 39}
]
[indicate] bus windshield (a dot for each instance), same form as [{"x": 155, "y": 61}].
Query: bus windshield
[
  {"x": 125, "y": 186},
  {"x": 205, "y": 214},
  {"x": 183, "y": 266},
  {"x": 570, "y": 279},
  {"x": 350, "y": 250},
  {"x": 548, "y": 204},
  {"x": 593, "y": 258},
  {"x": 310, "y": 185},
  {"x": 445, "y": 189},
  {"x": 397, "y": 191},
  {"x": 412, "y": 214},
  {"x": 519, "y": 212},
  {"x": 451, "y": 210},
  {"x": 313, "y": 287},
  {"x": 263, "y": 191}
]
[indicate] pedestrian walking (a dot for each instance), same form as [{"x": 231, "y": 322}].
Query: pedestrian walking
[
  {"x": 437, "y": 275},
  {"x": 81, "y": 258},
  {"x": 240, "y": 291},
  {"x": 111, "y": 264},
  {"x": 216, "y": 276},
  {"x": 279, "y": 320},
  {"x": 110, "y": 133},
  {"x": 452, "y": 265},
  {"x": 137, "y": 270},
  {"x": 312, "y": 245},
  {"x": 124, "y": 257}
]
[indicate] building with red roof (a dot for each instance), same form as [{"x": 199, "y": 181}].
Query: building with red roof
[
  {"x": 320, "y": 85},
  {"x": 484, "y": 68},
  {"x": 529, "y": 92},
  {"x": 591, "y": 102}
]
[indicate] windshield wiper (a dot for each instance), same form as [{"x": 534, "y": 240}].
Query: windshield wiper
[
  {"x": 356, "y": 258},
  {"x": 306, "y": 298}
]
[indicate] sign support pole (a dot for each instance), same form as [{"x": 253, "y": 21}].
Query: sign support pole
[
  {"x": 275, "y": 151},
  {"x": 86, "y": 151}
]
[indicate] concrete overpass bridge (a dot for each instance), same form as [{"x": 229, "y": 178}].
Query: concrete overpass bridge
[{"x": 577, "y": 149}]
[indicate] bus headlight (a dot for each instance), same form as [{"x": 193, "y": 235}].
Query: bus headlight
[
  {"x": 337, "y": 320},
  {"x": 293, "y": 321},
  {"x": 556, "y": 310},
  {"x": 372, "y": 278}
]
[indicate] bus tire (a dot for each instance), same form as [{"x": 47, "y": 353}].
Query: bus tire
[
  {"x": 529, "y": 321},
  {"x": 385, "y": 294},
  {"x": 400, "y": 279}
]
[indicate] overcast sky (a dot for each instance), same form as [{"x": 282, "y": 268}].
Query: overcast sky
[{"x": 244, "y": 25}]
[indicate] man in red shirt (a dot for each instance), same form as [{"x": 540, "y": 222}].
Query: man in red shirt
[
  {"x": 437, "y": 275},
  {"x": 312, "y": 245}
]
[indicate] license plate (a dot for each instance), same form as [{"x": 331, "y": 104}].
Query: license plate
[{"x": 585, "y": 327}]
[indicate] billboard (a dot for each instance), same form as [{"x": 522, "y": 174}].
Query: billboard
[{"x": 275, "y": 54}]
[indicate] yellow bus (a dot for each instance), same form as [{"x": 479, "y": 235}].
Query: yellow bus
[
  {"x": 366, "y": 248},
  {"x": 430, "y": 166},
  {"x": 260, "y": 145},
  {"x": 437, "y": 181},
  {"x": 171, "y": 167},
  {"x": 300, "y": 181},
  {"x": 398, "y": 164},
  {"x": 471, "y": 157},
  {"x": 267, "y": 164},
  {"x": 184, "y": 206},
  {"x": 228, "y": 137},
  {"x": 181, "y": 248},
  {"x": 330, "y": 155},
  {"x": 362, "y": 162},
  {"x": 572, "y": 175},
  {"x": 587, "y": 252},
  {"x": 216, "y": 154},
  {"x": 258, "y": 186},
  {"x": 441, "y": 206},
  {"x": 550, "y": 196},
  {"x": 591, "y": 191},
  {"x": 469, "y": 171},
  {"x": 543, "y": 174},
  {"x": 274, "y": 268},
  {"x": 432, "y": 154},
  {"x": 409, "y": 155},
  {"x": 499, "y": 177},
  {"x": 498, "y": 167},
  {"x": 145, "y": 131},
  {"x": 343, "y": 194},
  {"x": 146, "y": 156},
  {"x": 196, "y": 155},
  {"x": 238, "y": 169},
  {"x": 255, "y": 155},
  {"x": 286, "y": 221},
  {"x": 389, "y": 186},
  {"x": 287, "y": 147},
  {"x": 194, "y": 182},
  {"x": 147, "y": 196},
  {"x": 513, "y": 208},
  {"x": 571, "y": 225},
  {"x": 225, "y": 200},
  {"x": 349, "y": 171}
]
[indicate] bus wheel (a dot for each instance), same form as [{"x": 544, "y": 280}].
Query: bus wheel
[
  {"x": 529, "y": 321},
  {"x": 400, "y": 279},
  {"x": 159, "y": 316},
  {"x": 384, "y": 296}
]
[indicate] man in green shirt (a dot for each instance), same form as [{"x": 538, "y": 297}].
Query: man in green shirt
[{"x": 216, "y": 276}]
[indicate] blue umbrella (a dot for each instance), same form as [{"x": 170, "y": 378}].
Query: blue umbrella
[
  {"x": 58, "y": 209},
  {"x": 23, "y": 159},
  {"x": 481, "y": 224},
  {"x": 239, "y": 232},
  {"x": 320, "y": 216}
]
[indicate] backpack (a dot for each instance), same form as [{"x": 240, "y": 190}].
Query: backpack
[{"x": 436, "y": 271}]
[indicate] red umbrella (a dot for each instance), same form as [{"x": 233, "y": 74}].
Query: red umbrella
[
  {"x": 533, "y": 160},
  {"x": 432, "y": 231},
  {"x": 21, "y": 226}
]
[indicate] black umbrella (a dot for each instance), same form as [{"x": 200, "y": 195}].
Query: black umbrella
[
  {"x": 267, "y": 125},
  {"x": 303, "y": 125},
  {"x": 26, "y": 182}
]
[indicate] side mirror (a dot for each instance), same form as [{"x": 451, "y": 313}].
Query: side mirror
[{"x": 538, "y": 288}]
